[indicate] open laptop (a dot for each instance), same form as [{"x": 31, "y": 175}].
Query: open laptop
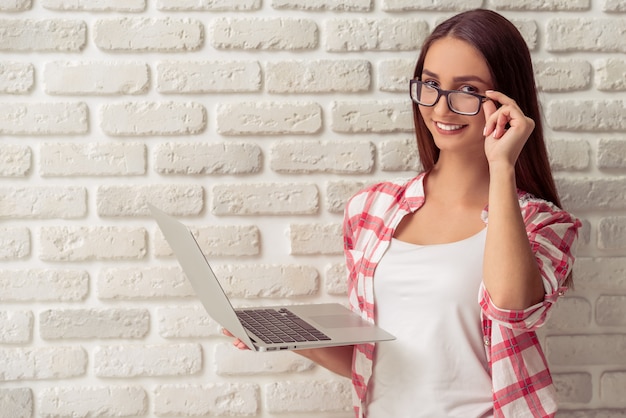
[{"x": 309, "y": 326}]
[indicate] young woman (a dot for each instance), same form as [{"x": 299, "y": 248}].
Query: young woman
[{"x": 462, "y": 262}]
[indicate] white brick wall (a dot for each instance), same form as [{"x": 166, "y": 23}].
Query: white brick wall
[{"x": 254, "y": 121}]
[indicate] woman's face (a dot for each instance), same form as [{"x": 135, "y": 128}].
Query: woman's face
[{"x": 453, "y": 64}]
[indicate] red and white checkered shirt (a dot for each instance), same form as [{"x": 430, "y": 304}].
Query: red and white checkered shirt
[{"x": 521, "y": 381}]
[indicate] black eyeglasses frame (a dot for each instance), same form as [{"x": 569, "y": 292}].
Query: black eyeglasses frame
[{"x": 441, "y": 92}]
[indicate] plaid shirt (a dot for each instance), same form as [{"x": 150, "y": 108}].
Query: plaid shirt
[{"x": 521, "y": 382}]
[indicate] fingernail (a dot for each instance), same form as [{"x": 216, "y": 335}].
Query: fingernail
[{"x": 485, "y": 131}]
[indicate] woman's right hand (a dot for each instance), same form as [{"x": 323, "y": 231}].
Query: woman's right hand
[{"x": 237, "y": 342}]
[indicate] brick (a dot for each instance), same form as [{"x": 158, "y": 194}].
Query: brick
[
  {"x": 14, "y": 242},
  {"x": 380, "y": 116},
  {"x": 134, "y": 283},
  {"x": 217, "y": 241},
  {"x": 95, "y": 78},
  {"x": 611, "y": 153},
  {"x": 585, "y": 350},
  {"x": 600, "y": 273},
  {"x": 336, "y": 279},
  {"x": 394, "y": 75},
  {"x": 93, "y": 323},
  {"x": 214, "y": 399},
  {"x": 320, "y": 76},
  {"x": 612, "y": 233},
  {"x": 45, "y": 35},
  {"x": 610, "y": 74},
  {"x": 306, "y": 239},
  {"x": 264, "y": 34},
  {"x": 269, "y": 118},
  {"x": 584, "y": 233},
  {"x": 147, "y": 360},
  {"x": 52, "y": 362},
  {"x": 573, "y": 387},
  {"x": 16, "y": 77},
  {"x": 16, "y": 327},
  {"x": 208, "y": 158},
  {"x": 148, "y": 34},
  {"x": 77, "y": 243},
  {"x": 60, "y": 285},
  {"x": 308, "y": 396},
  {"x": 611, "y": 310},
  {"x": 15, "y": 6},
  {"x": 562, "y": 75},
  {"x": 339, "y": 191},
  {"x": 71, "y": 159},
  {"x": 592, "y": 193},
  {"x": 186, "y": 322},
  {"x": 176, "y": 199},
  {"x": 586, "y": 115},
  {"x": 612, "y": 386},
  {"x": 570, "y": 313},
  {"x": 153, "y": 118},
  {"x": 324, "y": 5},
  {"x": 569, "y": 155},
  {"x": 268, "y": 281},
  {"x": 441, "y": 5},
  {"x": 43, "y": 202},
  {"x": 614, "y": 6},
  {"x": 586, "y": 34},
  {"x": 351, "y": 35},
  {"x": 231, "y": 362},
  {"x": 265, "y": 199},
  {"x": 542, "y": 5},
  {"x": 15, "y": 160},
  {"x": 86, "y": 401},
  {"x": 43, "y": 118},
  {"x": 399, "y": 155},
  {"x": 16, "y": 402},
  {"x": 208, "y": 5},
  {"x": 208, "y": 77},
  {"x": 125, "y": 6},
  {"x": 341, "y": 157}
]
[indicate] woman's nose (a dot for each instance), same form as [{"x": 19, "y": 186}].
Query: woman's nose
[{"x": 441, "y": 107}]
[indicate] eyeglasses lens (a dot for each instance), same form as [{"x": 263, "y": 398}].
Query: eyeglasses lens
[{"x": 463, "y": 103}]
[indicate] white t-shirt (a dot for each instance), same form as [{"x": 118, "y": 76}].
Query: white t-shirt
[{"x": 427, "y": 296}]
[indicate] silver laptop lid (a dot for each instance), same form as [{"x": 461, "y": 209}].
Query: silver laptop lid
[{"x": 200, "y": 275}]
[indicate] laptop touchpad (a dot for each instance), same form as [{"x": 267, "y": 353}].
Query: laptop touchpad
[{"x": 338, "y": 321}]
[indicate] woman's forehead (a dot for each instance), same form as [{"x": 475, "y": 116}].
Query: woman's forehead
[{"x": 456, "y": 59}]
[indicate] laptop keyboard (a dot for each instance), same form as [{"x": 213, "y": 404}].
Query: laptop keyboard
[{"x": 279, "y": 326}]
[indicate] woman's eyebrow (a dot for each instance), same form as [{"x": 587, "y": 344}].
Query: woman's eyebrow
[{"x": 456, "y": 79}]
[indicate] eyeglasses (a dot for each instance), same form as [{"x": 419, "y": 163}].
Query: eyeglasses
[{"x": 461, "y": 102}]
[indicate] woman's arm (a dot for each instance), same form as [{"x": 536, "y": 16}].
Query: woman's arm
[
  {"x": 511, "y": 274},
  {"x": 510, "y": 271},
  {"x": 336, "y": 359}
]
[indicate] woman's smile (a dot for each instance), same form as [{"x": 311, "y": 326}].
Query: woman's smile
[{"x": 448, "y": 128}]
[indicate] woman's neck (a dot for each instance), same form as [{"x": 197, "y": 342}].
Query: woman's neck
[{"x": 459, "y": 179}]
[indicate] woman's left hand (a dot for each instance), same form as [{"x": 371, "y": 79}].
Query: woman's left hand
[{"x": 503, "y": 144}]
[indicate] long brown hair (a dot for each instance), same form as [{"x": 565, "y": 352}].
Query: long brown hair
[{"x": 509, "y": 62}]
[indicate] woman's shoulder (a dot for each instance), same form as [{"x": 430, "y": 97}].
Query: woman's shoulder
[{"x": 387, "y": 191}]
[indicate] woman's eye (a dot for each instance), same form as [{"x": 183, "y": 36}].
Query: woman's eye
[
  {"x": 469, "y": 89},
  {"x": 431, "y": 83}
]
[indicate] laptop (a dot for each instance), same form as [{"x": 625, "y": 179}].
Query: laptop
[{"x": 266, "y": 328}]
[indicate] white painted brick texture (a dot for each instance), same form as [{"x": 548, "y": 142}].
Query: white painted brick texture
[{"x": 254, "y": 122}]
